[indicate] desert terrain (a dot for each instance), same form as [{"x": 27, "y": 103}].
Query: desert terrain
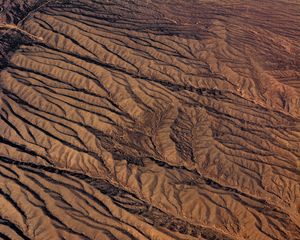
[{"x": 150, "y": 119}]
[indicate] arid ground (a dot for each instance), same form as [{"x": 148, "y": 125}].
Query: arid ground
[{"x": 150, "y": 119}]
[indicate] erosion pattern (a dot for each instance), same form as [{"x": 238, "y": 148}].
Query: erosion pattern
[{"x": 150, "y": 119}]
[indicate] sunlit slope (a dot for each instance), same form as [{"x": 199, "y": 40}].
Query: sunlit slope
[{"x": 151, "y": 120}]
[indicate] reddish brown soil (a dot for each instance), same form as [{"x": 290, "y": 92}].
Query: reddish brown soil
[{"x": 150, "y": 119}]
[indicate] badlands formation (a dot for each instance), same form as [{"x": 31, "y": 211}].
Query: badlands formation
[{"x": 150, "y": 119}]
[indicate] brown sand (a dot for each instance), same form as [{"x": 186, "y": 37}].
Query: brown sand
[{"x": 150, "y": 119}]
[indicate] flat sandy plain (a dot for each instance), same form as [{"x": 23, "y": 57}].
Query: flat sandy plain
[{"x": 150, "y": 119}]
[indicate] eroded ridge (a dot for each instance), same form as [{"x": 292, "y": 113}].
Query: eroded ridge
[{"x": 150, "y": 120}]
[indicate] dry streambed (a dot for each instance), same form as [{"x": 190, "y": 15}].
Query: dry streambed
[{"x": 149, "y": 120}]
